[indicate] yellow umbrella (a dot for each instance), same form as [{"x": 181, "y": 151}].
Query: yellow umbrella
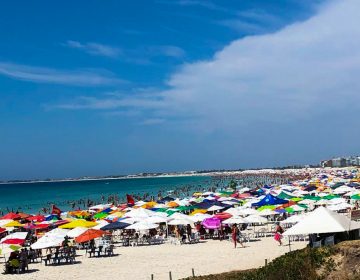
[
  {"x": 149, "y": 204},
  {"x": 197, "y": 194},
  {"x": 118, "y": 214},
  {"x": 79, "y": 223},
  {"x": 172, "y": 204},
  {"x": 13, "y": 224},
  {"x": 196, "y": 211}
]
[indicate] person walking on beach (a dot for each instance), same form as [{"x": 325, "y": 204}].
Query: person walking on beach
[
  {"x": 278, "y": 233},
  {"x": 234, "y": 232}
]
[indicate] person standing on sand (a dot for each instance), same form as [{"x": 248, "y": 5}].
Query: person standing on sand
[
  {"x": 278, "y": 233},
  {"x": 234, "y": 235}
]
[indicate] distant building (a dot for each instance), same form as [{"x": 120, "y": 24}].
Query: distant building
[{"x": 341, "y": 162}]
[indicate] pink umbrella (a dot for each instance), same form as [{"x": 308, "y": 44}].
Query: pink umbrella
[{"x": 211, "y": 223}]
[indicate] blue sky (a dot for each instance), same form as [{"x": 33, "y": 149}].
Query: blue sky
[{"x": 117, "y": 87}]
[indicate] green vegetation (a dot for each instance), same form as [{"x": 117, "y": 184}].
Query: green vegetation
[{"x": 337, "y": 262}]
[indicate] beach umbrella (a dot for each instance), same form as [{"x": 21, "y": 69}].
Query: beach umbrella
[
  {"x": 75, "y": 232},
  {"x": 10, "y": 216},
  {"x": 267, "y": 212},
  {"x": 139, "y": 213},
  {"x": 4, "y": 222},
  {"x": 199, "y": 217},
  {"x": 13, "y": 224},
  {"x": 57, "y": 232},
  {"x": 211, "y": 223},
  {"x": 16, "y": 238},
  {"x": 78, "y": 223},
  {"x": 2, "y": 230},
  {"x": 48, "y": 241},
  {"x": 142, "y": 226},
  {"x": 235, "y": 220},
  {"x": 37, "y": 218},
  {"x": 180, "y": 221},
  {"x": 214, "y": 208},
  {"x": 222, "y": 216},
  {"x": 356, "y": 197},
  {"x": 157, "y": 220},
  {"x": 248, "y": 211},
  {"x": 255, "y": 219},
  {"x": 115, "y": 226},
  {"x": 88, "y": 235},
  {"x": 6, "y": 249},
  {"x": 100, "y": 215}
]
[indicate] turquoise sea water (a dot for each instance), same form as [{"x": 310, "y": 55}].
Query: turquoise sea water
[{"x": 33, "y": 196}]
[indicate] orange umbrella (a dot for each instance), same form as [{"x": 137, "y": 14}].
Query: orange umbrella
[{"x": 88, "y": 235}]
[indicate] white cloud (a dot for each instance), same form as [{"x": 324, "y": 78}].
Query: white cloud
[
  {"x": 305, "y": 70},
  {"x": 85, "y": 77},
  {"x": 95, "y": 48}
]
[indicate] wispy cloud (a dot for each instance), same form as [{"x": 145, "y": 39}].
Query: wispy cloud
[
  {"x": 95, "y": 48},
  {"x": 166, "y": 50},
  {"x": 303, "y": 70},
  {"x": 203, "y": 4},
  {"x": 111, "y": 102},
  {"x": 83, "y": 77}
]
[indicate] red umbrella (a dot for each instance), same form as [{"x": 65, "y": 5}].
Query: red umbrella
[
  {"x": 2, "y": 230},
  {"x": 223, "y": 215},
  {"x": 10, "y": 216},
  {"x": 14, "y": 241},
  {"x": 88, "y": 235},
  {"x": 37, "y": 218}
]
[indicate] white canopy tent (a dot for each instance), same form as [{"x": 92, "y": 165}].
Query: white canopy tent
[{"x": 322, "y": 220}]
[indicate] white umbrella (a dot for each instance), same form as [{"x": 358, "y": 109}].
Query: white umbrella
[
  {"x": 214, "y": 208},
  {"x": 75, "y": 232},
  {"x": 199, "y": 217},
  {"x": 157, "y": 220},
  {"x": 47, "y": 242},
  {"x": 180, "y": 222},
  {"x": 57, "y": 232},
  {"x": 142, "y": 226},
  {"x": 267, "y": 212},
  {"x": 255, "y": 219},
  {"x": 139, "y": 213},
  {"x": 235, "y": 220},
  {"x": 248, "y": 211}
]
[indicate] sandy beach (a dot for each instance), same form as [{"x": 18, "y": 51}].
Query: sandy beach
[{"x": 208, "y": 257}]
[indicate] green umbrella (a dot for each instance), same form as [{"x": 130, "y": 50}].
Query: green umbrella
[
  {"x": 271, "y": 207},
  {"x": 356, "y": 197},
  {"x": 100, "y": 215},
  {"x": 311, "y": 197},
  {"x": 284, "y": 195}
]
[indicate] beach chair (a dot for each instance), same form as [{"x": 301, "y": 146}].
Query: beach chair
[
  {"x": 329, "y": 241},
  {"x": 109, "y": 251}
]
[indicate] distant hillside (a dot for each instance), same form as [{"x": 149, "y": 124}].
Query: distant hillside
[{"x": 340, "y": 262}]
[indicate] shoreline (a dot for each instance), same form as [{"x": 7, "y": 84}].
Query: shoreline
[{"x": 185, "y": 174}]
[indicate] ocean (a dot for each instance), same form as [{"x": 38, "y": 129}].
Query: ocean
[{"x": 31, "y": 197}]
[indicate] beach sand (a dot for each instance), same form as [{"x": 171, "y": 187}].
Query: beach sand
[{"x": 211, "y": 256}]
